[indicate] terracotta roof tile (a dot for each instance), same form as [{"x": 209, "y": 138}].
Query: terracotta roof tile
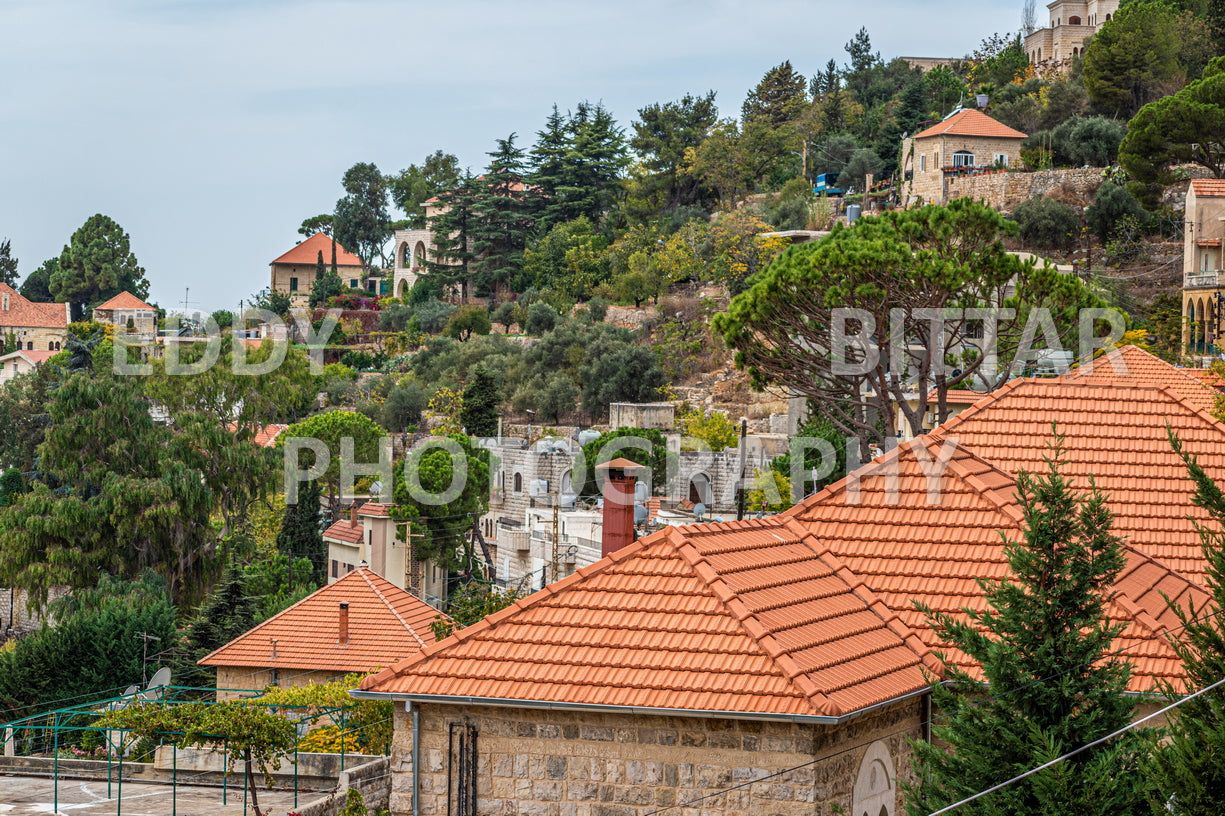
[
  {"x": 26, "y": 313},
  {"x": 32, "y": 357},
  {"x": 1131, "y": 365},
  {"x": 1208, "y": 188},
  {"x": 344, "y": 530},
  {"x": 307, "y": 253},
  {"x": 386, "y": 624},
  {"x": 125, "y": 300},
  {"x": 741, "y": 617},
  {"x": 970, "y": 122}
]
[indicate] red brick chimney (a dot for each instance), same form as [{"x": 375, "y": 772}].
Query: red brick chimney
[
  {"x": 353, "y": 514},
  {"x": 343, "y": 637},
  {"x": 620, "y": 476}
]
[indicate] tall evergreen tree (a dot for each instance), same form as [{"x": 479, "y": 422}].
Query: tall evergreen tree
[
  {"x": 327, "y": 282},
  {"x": 37, "y": 285},
  {"x": 662, "y": 135},
  {"x": 415, "y": 185},
  {"x": 504, "y": 218},
  {"x": 8, "y": 264},
  {"x": 549, "y": 169},
  {"x": 227, "y": 612},
  {"x": 452, "y": 227},
  {"x": 96, "y": 265},
  {"x": 300, "y": 535},
  {"x": 482, "y": 404},
  {"x": 778, "y": 99},
  {"x": 1185, "y": 764},
  {"x": 1043, "y": 642}
]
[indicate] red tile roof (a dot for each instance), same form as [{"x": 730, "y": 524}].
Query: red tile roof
[
  {"x": 386, "y": 624},
  {"x": 1132, "y": 365},
  {"x": 744, "y": 617},
  {"x": 32, "y": 357},
  {"x": 375, "y": 510},
  {"x": 266, "y": 436},
  {"x": 26, "y": 313},
  {"x": 1208, "y": 188},
  {"x": 811, "y": 613},
  {"x": 125, "y": 300},
  {"x": 344, "y": 530},
  {"x": 971, "y": 123},
  {"x": 308, "y": 251}
]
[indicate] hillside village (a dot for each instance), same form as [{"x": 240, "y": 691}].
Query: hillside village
[{"x": 858, "y": 451}]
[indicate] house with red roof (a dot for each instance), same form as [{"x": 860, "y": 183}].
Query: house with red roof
[
  {"x": 34, "y": 326},
  {"x": 128, "y": 313},
  {"x": 294, "y": 272},
  {"x": 966, "y": 141},
  {"x": 357, "y": 624},
  {"x": 16, "y": 363},
  {"x": 369, "y": 535},
  {"x": 780, "y": 665},
  {"x": 1203, "y": 282}
]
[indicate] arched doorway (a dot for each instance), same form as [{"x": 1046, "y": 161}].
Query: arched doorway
[
  {"x": 699, "y": 489},
  {"x": 404, "y": 289},
  {"x": 875, "y": 791},
  {"x": 402, "y": 255}
]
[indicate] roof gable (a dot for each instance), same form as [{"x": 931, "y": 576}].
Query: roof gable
[
  {"x": 307, "y": 253},
  {"x": 24, "y": 312},
  {"x": 969, "y": 122},
  {"x": 125, "y": 300},
  {"x": 742, "y": 618},
  {"x": 386, "y": 624}
]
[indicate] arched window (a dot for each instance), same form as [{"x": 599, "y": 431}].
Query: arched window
[
  {"x": 518, "y": 483},
  {"x": 402, "y": 255},
  {"x": 1073, "y": 20},
  {"x": 51, "y": 345},
  {"x": 419, "y": 254},
  {"x": 1107, "y": 18}
]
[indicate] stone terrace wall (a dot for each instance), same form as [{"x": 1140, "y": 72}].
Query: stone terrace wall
[
  {"x": 372, "y": 779},
  {"x": 1004, "y": 191},
  {"x": 533, "y": 762}
]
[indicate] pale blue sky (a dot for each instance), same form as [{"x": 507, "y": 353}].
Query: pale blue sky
[{"x": 209, "y": 129}]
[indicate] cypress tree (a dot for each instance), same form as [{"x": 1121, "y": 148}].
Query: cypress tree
[
  {"x": 300, "y": 535},
  {"x": 482, "y": 401},
  {"x": 1042, "y": 642}
]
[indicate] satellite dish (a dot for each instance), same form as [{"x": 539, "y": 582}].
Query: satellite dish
[
  {"x": 376, "y": 489},
  {"x": 131, "y": 690},
  {"x": 160, "y": 678},
  {"x": 699, "y": 510},
  {"x": 640, "y": 514}
]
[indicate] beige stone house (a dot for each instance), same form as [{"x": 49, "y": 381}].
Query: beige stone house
[
  {"x": 35, "y": 326},
  {"x": 294, "y": 272},
  {"x": 357, "y": 624},
  {"x": 125, "y": 308},
  {"x": 22, "y": 362},
  {"x": 778, "y": 665},
  {"x": 368, "y": 535},
  {"x": 1071, "y": 23},
  {"x": 966, "y": 141},
  {"x": 1203, "y": 286}
]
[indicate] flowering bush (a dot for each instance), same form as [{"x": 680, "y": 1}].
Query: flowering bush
[{"x": 352, "y": 300}]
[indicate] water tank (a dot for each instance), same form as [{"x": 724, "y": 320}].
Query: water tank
[
  {"x": 852, "y": 213},
  {"x": 588, "y": 436},
  {"x": 642, "y": 491},
  {"x": 640, "y": 514}
]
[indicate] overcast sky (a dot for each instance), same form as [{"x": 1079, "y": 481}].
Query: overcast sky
[{"x": 209, "y": 129}]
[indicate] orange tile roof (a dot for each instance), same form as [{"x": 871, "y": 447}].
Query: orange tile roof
[
  {"x": 308, "y": 251},
  {"x": 970, "y": 122},
  {"x": 125, "y": 300},
  {"x": 32, "y": 357},
  {"x": 343, "y": 530},
  {"x": 1207, "y": 376},
  {"x": 26, "y": 313},
  {"x": 386, "y": 624},
  {"x": 744, "y": 617},
  {"x": 1132, "y": 365},
  {"x": 1208, "y": 188},
  {"x": 266, "y": 436},
  {"x": 375, "y": 510}
]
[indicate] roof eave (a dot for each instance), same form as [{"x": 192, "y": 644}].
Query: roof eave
[{"x": 810, "y": 719}]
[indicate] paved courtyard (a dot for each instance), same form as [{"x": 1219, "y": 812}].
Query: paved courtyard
[{"x": 27, "y": 795}]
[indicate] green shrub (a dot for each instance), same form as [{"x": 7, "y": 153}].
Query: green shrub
[{"x": 1047, "y": 223}]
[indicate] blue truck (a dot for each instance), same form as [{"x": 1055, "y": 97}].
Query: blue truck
[{"x": 827, "y": 184}]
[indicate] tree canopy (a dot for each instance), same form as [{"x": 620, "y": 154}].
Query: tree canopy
[
  {"x": 97, "y": 264},
  {"x": 361, "y": 222}
]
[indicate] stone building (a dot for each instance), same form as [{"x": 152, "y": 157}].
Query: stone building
[
  {"x": 294, "y": 272},
  {"x": 1071, "y": 23},
  {"x": 1203, "y": 290},
  {"x": 35, "y": 326},
  {"x": 356, "y": 624},
  {"x": 966, "y": 141},
  {"x": 125, "y": 308},
  {"x": 778, "y": 665},
  {"x": 22, "y": 362}
]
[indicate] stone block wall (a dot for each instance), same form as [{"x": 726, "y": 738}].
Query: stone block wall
[
  {"x": 534, "y": 762},
  {"x": 235, "y": 682},
  {"x": 16, "y": 619}
]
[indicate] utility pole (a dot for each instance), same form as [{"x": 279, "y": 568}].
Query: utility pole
[{"x": 744, "y": 429}]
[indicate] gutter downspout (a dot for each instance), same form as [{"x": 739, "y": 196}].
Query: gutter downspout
[{"x": 416, "y": 712}]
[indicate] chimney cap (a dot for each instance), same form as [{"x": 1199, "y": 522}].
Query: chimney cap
[
  {"x": 344, "y": 604},
  {"x": 620, "y": 464}
]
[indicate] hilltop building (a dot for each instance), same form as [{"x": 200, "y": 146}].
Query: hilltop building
[
  {"x": 1071, "y": 23},
  {"x": 34, "y": 326},
  {"x": 294, "y": 272},
  {"x": 966, "y": 141},
  {"x": 1203, "y": 291}
]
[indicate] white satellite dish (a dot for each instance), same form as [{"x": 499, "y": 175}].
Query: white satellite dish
[{"x": 160, "y": 678}]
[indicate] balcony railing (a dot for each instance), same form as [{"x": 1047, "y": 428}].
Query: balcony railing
[{"x": 1195, "y": 280}]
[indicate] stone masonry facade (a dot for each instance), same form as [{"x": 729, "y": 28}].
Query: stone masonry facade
[
  {"x": 932, "y": 154},
  {"x": 535, "y": 762}
]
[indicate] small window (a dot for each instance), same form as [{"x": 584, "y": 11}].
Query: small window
[
  {"x": 518, "y": 483},
  {"x": 51, "y": 346},
  {"x": 1073, "y": 20},
  {"x": 963, "y": 158},
  {"x": 923, "y": 163},
  {"x": 335, "y": 568},
  {"x": 293, "y": 284},
  {"x": 349, "y": 568},
  {"x": 274, "y": 678},
  {"x": 353, "y": 283},
  {"x": 1001, "y": 159}
]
